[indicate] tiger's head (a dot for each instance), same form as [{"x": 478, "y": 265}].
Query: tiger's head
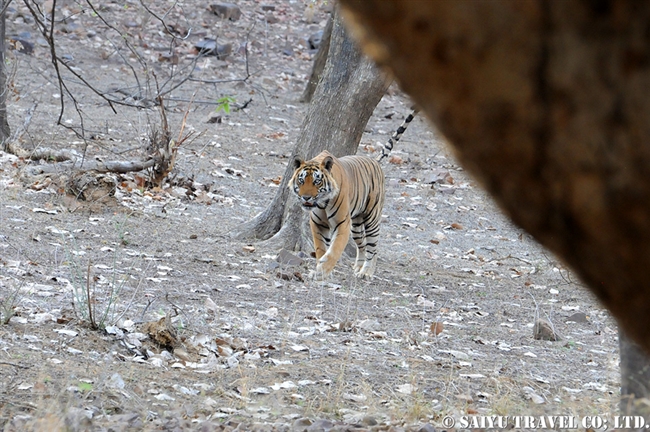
[{"x": 313, "y": 182}]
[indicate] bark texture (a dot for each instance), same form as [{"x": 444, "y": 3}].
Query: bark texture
[
  {"x": 4, "y": 123},
  {"x": 635, "y": 378},
  {"x": 319, "y": 62},
  {"x": 349, "y": 91},
  {"x": 546, "y": 102}
]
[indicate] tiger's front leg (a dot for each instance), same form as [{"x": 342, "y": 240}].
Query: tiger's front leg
[
  {"x": 339, "y": 240},
  {"x": 320, "y": 233}
]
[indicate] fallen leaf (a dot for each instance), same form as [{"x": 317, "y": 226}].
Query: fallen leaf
[
  {"x": 283, "y": 385},
  {"x": 405, "y": 388},
  {"x": 436, "y": 328},
  {"x": 355, "y": 398},
  {"x": 40, "y": 210},
  {"x": 299, "y": 348}
]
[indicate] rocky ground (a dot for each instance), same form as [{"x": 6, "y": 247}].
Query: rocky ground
[{"x": 199, "y": 330}]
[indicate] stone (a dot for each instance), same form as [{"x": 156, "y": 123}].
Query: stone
[
  {"x": 228, "y": 11},
  {"x": 210, "y": 47},
  {"x": 21, "y": 45},
  {"x": 543, "y": 330},
  {"x": 578, "y": 317},
  {"x": 287, "y": 258},
  {"x": 315, "y": 40},
  {"x": 270, "y": 18}
]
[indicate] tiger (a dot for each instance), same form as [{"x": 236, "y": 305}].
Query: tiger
[
  {"x": 345, "y": 196},
  {"x": 388, "y": 147}
]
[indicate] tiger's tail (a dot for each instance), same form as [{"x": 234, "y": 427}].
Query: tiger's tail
[{"x": 388, "y": 147}]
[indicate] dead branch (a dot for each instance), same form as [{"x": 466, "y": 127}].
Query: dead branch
[
  {"x": 13, "y": 364},
  {"x": 99, "y": 166}
]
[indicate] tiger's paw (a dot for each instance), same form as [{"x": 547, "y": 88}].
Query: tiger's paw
[
  {"x": 366, "y": 271},
  {"x": 326, "y": 264},
  {"x": 317, "y": 276}
]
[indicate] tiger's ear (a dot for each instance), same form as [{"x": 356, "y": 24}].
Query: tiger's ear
[
  {"x": 297, "y": 161},
  {"x": 327, "y": 163}
]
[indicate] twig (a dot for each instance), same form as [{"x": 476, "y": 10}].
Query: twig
[
  {"x": 5, "y": 5},
  {"x": 135, "y": 292},
  {"x": 28, "y": 119},
  {"x": 244, "y": 105},
  {"x": 2, "y": 362},
  {"x": 162, "y": 21},
  {"x": 90, "y": 307}
]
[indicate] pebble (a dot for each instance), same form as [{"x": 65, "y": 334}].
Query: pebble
[{"x": 228, "y": 11}]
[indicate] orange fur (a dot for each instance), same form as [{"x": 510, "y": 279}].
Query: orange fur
[{"x": 345, "y": 196}]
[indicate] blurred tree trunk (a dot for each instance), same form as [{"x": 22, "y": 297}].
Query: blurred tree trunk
[
  {"x": 546, "y": 102},
  {"x": 4, "y": 123},
  {"x": 319, "y": 62},
  {"x": 349, "y": 91},
  {"x": 635, "y": 378}
]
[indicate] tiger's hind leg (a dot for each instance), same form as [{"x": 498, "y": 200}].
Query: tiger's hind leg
[
  {"x": 371, "y": 229},
  {"x": 359, "y": 237},
  {"x": 365, "y": 235}
]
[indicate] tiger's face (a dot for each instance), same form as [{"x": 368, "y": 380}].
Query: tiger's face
[{"x": 313, "y": 183}]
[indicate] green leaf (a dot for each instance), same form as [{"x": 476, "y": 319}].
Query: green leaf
[{"x": 85, "y": 387}]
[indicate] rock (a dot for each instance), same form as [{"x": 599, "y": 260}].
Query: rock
[
  {"x": 206, "y": 46},
  {"x": 315, "y": 40},
  {"x": 223, "y": 51},
  {"x": 78, "y": 419},
  {"x": 210, "y": 47},
  {"x": 270, "y": 18},
  {"x": 529, "y": 393},
  {"x": 300, "y": 425},
  {"x": 322, "y": 425},
  {"x": 439, "y": 176},
  {"x": 227, "y": 11},
  {"x": 267, "y": 7},
  {"x": 578, "y": 317},
  {"x": 543, "y": 330},
  {"x": 168, "y": 57},
  {"x": 21, "y": 45},
  {"x": 287, "y": 258},
  {"x": 71, "y": 27},
  {"x": 132, "y": 420}
]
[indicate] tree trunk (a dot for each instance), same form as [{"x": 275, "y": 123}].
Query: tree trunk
[
  {"x": 635, "y": 378},
  {"x": 546, "y": 102},
  {"x": 349, "y": 91},
  {"x": 319, "y": 62},
  {"x": 4, "y": 124}
]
